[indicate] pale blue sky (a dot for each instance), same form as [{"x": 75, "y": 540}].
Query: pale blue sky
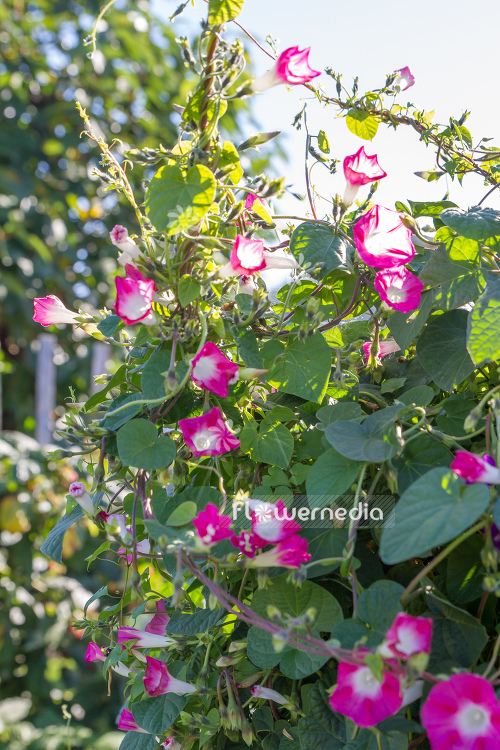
[{"x": 447, "y": 45}]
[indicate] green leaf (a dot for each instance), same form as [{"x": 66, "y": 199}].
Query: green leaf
[
  {"x": 342, "y": 410},
  {"x": 323, "y": 144},
  {"x": 391, "y": 385},
  {"x": 480, "y": 224},
  {"x": 321, "y": 729},
  {"x": 429, "y": 208},
  {"x": 52, "y": 546},
  {"x": 330, "y": 476},
  {"x": 433, "y": 510},
  {"x": 230, "y": 162},
  {"x": 374, "y": 440},
  {"x": 140, "y": 445},
  {"x": 324, "y": 544},
  {"x": 248, "y": 348},
  {"x": 379, "y": 605},
  {"x": 304, "y": 369},
  {"x": 454, "y": 270},
  {"x": 420, "y": 456},
  {"x": 156, "y": 715},
  {"x": 175, "y": 202},
  {"x": 102, "y": 591},
  {"x": 138, "y": 741},
  {"x": 362, "y": 124},
  {"x": 465, "y": 572},
  {"x": 483, "y": 334},
  {"x": 153, "y": 374},
  {"x": 188, "y": 290},
  {"x": 405, "y": 328},
  {"x": 317, "y": 245},
  {"x": 442, "y": 351},
  {"x": 109, "y": 326},
  {"x": 420, "y": 395},
  {"x": 272, "y": 444},
  {"x": 116, "y": 421},
  {"x": 221, "y": 11},
  {"x": 190, "y": 624},
  {"x": 183, "y": 514},
  {"x": 457, "y": 408},
  {"x": 457, "y": 636}
]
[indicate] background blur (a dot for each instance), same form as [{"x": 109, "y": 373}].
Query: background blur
[{"x": 55, "y": 217}]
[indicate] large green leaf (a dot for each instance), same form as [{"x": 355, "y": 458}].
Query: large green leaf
[
  {"x": 457, "y": 636},
  {"x": 429, "y": 208},
  {"x": 156, "y": 715},
  {"x": 330, "y": 476},
  {"x": 464, "y": 571},
  {"x": 113, "y": 423},
  {"x": 420, "y": 456},
  {"x": 454, "y": 271},
  {"x": 175, "y": 202},
  {"x": 317, "y": 245},
  {"x": 374, "y": 440},
  {"x": 480, "y": 224},
  {"x": 433, "y": 510},
  {"x": 362, "y": 124},
  {"x": 140, "y": 445},
  {"x": 53, "y": 544},
  {"x": 442, "y": 350},
  {"x": 272, "y": 444},
  {"x": 321, "y": 729},
  {"x": 324, "y": 543},
  {"x": 483, "y": 334},
  {"x": 303, "y": 369},
  {"x": 153, "y": 374},
  {"x": 406, "y": 327},
  {"x": 138, "y": 741},
  {"x": 221, "y": 11},
  {"x": 199, "y": 622}
]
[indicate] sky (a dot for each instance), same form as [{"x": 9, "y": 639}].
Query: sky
[{"x": 445, "y": 44}]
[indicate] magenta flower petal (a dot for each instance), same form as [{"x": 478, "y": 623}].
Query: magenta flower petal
[
  {"x": 382, "y": 240},
  {"x": 385, "y": 347},
  {"x": 158, "y": 681},
  {"x": 462, "y": 712},
  {"x": 404, "y": 78},
  {"x": 208, "y": 435},
  {"x": 409, "y": 635},
  {"x": 159, "y": 621},
  {"x": 290, "y": 553},
  {"x": 248, "y": 543},
  {"x": 247, "y": 256},
  {"x": 49, "y": 311},
  {"x": 213, "y": 371},
  {"x": 399, "y": 288},
  {"x": 362, "y": 698},
  {"x": 127, "y": 723},
  {"x": 142, "y": 638},
  {"x": 94, "y": 653},
  {"x": 272, "y": 522},
  {"x": 134, "y": 296},
  {"x": 292, "y": 67},
  {"x": 361, "y": 169},
  {"x": 475, "y": 468},
  {"x": 212, "y": 527}
]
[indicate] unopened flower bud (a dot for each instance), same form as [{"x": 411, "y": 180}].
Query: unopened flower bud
[
  {"x": 280, "y": 641},
  {"x": 246, "y": 732},
  {"x": 310, "y": 615},
  {"x": 251, "y": 680},
  {"x": 472, "y": 419},
  {"x": 250, "y": 373},
  {"x": 262, "y": 579},
  {"x": 171, "y": 381},
  {"x": 273, "y": 613},
  {"x": 237, "y": 646},
  {"x": 419, "y": 661}
]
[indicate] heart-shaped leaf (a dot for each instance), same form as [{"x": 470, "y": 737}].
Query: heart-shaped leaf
[
  {"x": 175, "y": 202},
  {"x": 140, "y": 445}
]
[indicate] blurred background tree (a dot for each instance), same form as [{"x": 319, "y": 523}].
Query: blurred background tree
[{"x": 55, "y": 214}]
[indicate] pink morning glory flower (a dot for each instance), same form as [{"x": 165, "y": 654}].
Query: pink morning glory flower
[
  {"x": 290, "y": 553},
  {"x": 213, "y": 371},
  {"x": 409, "y": 635},
  {"x": 94, "y": 653},
  {"x": 159, "y": 621},
  {"x": 115, "y": 523},
  {"x": 399, "y": 289},
  {"x": 212, "y": 527},
  {"x": 292, "y": 67},
  {"x": 158, "y": 681},
  {"x": 382, "y": 240},
  {"x": 462, "y": 712},
  {"x": 78, "y": 491},
  {"x": 404, "y": 78},
  {"x": 134, "y": 296},
  {"x": 127, "y": 723},
  {"x": 475, "y": 468},
  {"x": 247, "y": 257},
  {"x": 385, "y": 347},
  {"x": 129, "y": 250},
  {"x": 248, "y": 543},
  {"x": 49, "y": 311},
  {"x": 272, "y": 522},
  {"x": 208, "y": 435},
  {"x": 271, "y": 695},
  {"x": 360, "y": 169},
  {"x": 171, "y": 744},
  {"x": 143, "y": 638},
  {"x": 362, "y": 698},
  {"x": 126, "y": 555}
]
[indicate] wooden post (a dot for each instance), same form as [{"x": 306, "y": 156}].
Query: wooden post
[
  {"x": 45, "y": 394},
  {"x": 100, "y": 354}
]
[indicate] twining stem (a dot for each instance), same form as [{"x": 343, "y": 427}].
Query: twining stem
[{"x": 442, "y": 555}]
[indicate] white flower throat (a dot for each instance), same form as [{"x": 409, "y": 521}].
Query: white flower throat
[
  {"x": 395, "y": 295},
  {"x": 204, "y": 440}
]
